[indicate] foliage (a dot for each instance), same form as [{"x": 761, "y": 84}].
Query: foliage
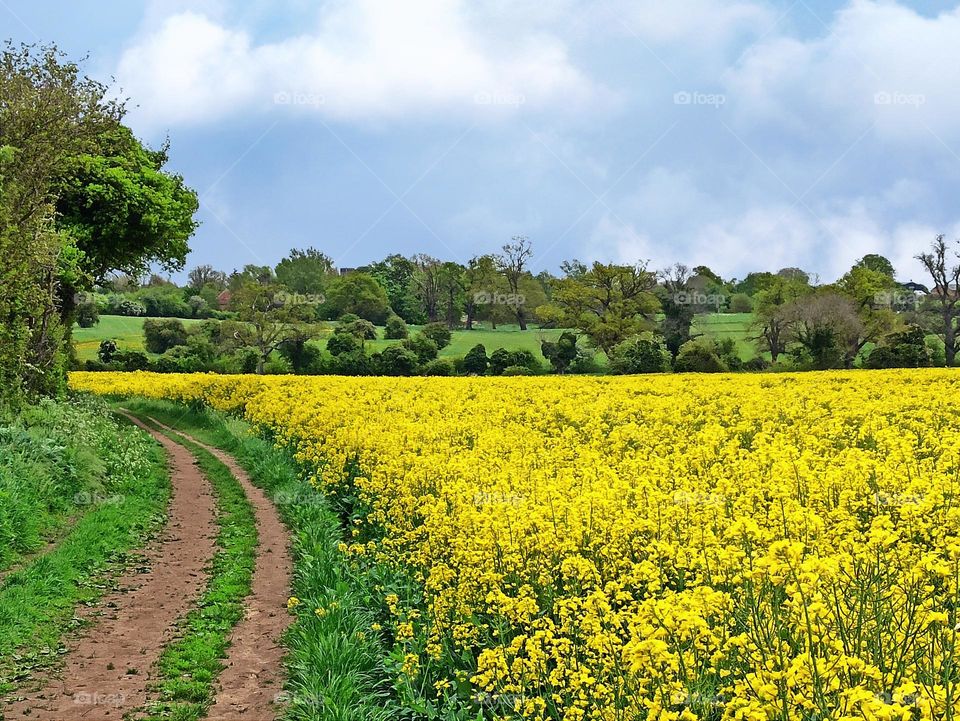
[
  {"x": 357, "y": 293},
  {"x": 640, "y": 354},
  {"x": 438, "y": 333},
  {"x": 87, "y": 315},
  {"x": 396, "y": 360},
  {"x": 423, "y": 347},
  {"x": 562, "y": 353},
  {"x": 699, "y": 356},
  {"x": 476, "y": 361},
  {"x": 162, "y": 334},
  {"x": 395, "y": 328}
]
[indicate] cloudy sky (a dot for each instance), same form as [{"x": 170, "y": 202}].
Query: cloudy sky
[{"x": 740, "y": 134}]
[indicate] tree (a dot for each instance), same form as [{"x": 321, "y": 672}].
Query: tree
[
  {"x": 360, "y": 294},
  {"x": 876, "y": 263},
  {"x": 642, "y": 353},
  {"x": 944, "y": 270},
  {"x": 513, "y": 264},
  {"x": 305, "y": 271},
  {"x": 395, "y": 274},
  {"x": 438, "y": 333},
  {"x": 480, "y": 285},
  {"x": 426, "y": 285},
  {"x": 452, "y": 285},
  {"x": 204, "y": 276},
  {"x": 828, "y": 327},
  {"x": 396, "y": 328},
  {"x": 678, "y": 310},
  {"x": 49, "y": 115},
  {"x": 699, "y": 356},
  {"x": 162, "y": 334},
  {"x": 562, "y": 352},
  {"x": 124, "y": 209},
  {"x": 271, "y": 322},
  {"x": 772, "y": 321},
  {"x": 905, "y": 349},
  {"x": 607, "y": 303},
  {"x": 476, "y": 361}
]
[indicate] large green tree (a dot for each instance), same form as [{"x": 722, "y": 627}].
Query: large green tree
[
  {"x": 306, "y": 271},
  {"x": 607, "y": 303}
]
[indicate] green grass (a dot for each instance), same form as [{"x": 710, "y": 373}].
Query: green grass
[
  {"x": 336, "y": 663},
  {"x": 189, "y": 666},
  {"x": 120, "y": 488},
  {"x": 127, "y": 331}
]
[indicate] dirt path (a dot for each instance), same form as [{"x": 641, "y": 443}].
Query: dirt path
[
  {"x": 253, "y": 676},
  {"x": 107, "y": 669}
]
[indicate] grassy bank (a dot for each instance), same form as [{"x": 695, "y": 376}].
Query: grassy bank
[{"x": 79, "y": 491}]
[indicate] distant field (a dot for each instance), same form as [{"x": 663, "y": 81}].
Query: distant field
[{"x": 128, "y": 332}]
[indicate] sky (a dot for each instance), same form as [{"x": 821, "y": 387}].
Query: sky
[{"x": 739, "y": 134}]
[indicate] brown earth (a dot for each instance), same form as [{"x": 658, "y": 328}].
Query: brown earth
[
  {"x": 250, "y": 685},
  {"x": 108, "y": 668}
]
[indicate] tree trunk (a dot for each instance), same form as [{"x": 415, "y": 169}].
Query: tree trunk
[
  {"x": 949, "y": 342},
  {"x": 261, "y": 362},
  {"x": 521, "y": 320}
]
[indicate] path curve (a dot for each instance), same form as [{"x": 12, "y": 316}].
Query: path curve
[
  {"x": 249, "y": 686},
  {"x": 108, "y": 668}
]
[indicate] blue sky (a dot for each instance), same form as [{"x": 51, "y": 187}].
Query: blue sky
[{"x": 740, "y": 134}]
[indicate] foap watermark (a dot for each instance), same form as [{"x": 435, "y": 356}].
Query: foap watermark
[
  {"x": 293, "y": 97},
  {"x": 896, "y": 299},
  {"x": 95, "y": 698},
  {"x": 297, "y": 498},
  {"x": 286, "y": 298},
  {"x": 485, "y": 97},
  {"x": 496, "y": 498},
  {"x": 696, "y": 498},
  {"x": 695, "y": 97},
  {"x": 299, "y": 700},
  {"x": 897, "y": 499},
  {"x": 696, "y": 297},
  {"x": 887, "y": 97},
  {"x": 484, "y": 297},
  {"x": 90, "y": 498}
]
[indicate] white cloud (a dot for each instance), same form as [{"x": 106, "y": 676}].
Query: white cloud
[
  {"x": 366, "y": 59},
  {"x": 878, "y": 62}
]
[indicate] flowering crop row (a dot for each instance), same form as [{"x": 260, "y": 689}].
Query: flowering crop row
[{"x": 668, "y": 547}]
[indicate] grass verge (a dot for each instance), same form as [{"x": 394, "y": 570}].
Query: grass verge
[
  {"x": 188, "y": 667},
  {"x": 336, "y": 660},
  {"x": 120, "y": 496}
]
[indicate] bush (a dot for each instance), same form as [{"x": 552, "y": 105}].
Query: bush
[
  {"x": 906, "y": 349},
  {"x": 348, "y": 318},
  {"x": 164, "y": 302},
  {"x": 362, "y": 329},
  {"x": 439, "y": 367},
  {"x": 121, "y": 305},
  {"x": 422, "y": 347},
  {"x": 357, "y": 363},
  {"x": 517, "y": 371},
  {"x": 341, "y": 343},
  {"x": 396, "y": 328},
  {"x": 640, "y": 354},
  {"x": 162, "y": 334},
  {"x": 107, "y": 350},
  {"x": 475, "y": 361},
  {"x": 130, "y": 360},
  {"x": 699, "y": 356},
  {"x": 501, "y": 359},
  {"x": 561, "y": 353},
  {"x": 757, "y": 363},
  {"x": 438, "y": 333},
  {"x": 87, "y": 314},
  {"x": 395, "y": 360}
]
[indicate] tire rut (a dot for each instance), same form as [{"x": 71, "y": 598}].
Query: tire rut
[
  {"x": 249, "y": 685},
  {"x": 108, "y": 668}
]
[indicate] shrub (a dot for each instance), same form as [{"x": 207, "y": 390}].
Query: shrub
[
  {"x": 699, "y": 356},
  {"x": 340, "y": 343},
  {"x": 439, "y": 367},
  {"x": 162, "y": 334},
  {"x": 396, "y": 328},
  {"x": 422, "y": 347},
  {"x": 395, "y": 360},
  {"x": 757, "y": 363},
  {"x": 501, "y": 359},
  {"x": 438, "y": 333},
  {"x": 356, "y": 363},
  {"x": 87, "y": 314},
  {"x": 517, "y": 371},
  {"x": 362, "y": 329},
  {"x": 561, "y": 353},
  {"x": 906, "y": 349},
  {"x": 475, "y": 361},
  {"x": 130, "y": 360},
  {"x": 640, "y": 354},
  {"x": 107, "y": 350}
]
